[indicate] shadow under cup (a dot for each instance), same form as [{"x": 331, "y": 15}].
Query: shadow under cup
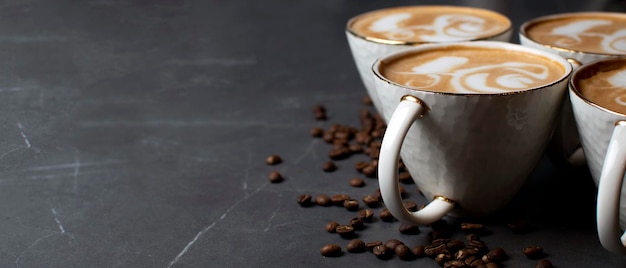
[{"x": 469, "y": 152}]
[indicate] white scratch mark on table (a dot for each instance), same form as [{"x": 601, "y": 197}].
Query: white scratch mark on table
[
  {"x": 76, "y": 172},
  {"x": 308, "y": 151},
  {"x": 56, "y": 218},
  {"x": 269, "y": 225},
  {"x": 21, "y": 127},
  {"x": 19, "y": 257},
  {"x": 180, "y": 124},
  {"x": 210, "y": 226}
]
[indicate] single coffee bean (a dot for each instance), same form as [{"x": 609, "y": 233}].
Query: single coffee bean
[
  {"x": 489, "y": 265},
  {"x": 351, "y": 205},
  {"x": 386, "y": 216},
  {"x": 533, "y": 252},
  {"x": 359, "y": 166},
  {"x": 370, "y": 245},
  {"x": 442, "y": 258},
  {"x": 305, "y": 200},
  {"x": 329, "y": 166},
  {"x": 328, "y": 137},
  {"x": 356, "y": 246},
  {"x": 393, "y": 243},
  {"x": 340, "y": 153},
  {"x": 323, "y": 200},
  {"x": 410, "y": 205},
  {"x": 357, "y": 182},
  {"x": 471, "y": 237},
  {"x": 404, "y": 252},
  {"x": 331, "y": 250},
  {"x": 370, "y": 171},
  {"x": 275, "y": 177},
  {"x": 409, "y": 229},
  {"x": 343, "y": 134},
  {"x": 331, "y": 227},
  {"x": 371, "y": 201},
  {"x": 473, "y": 261},
  {"x": 363, "y": 137},
  {"x": 345, "y": 231},
  {"x": 472, "y": 228},
  {"x": 465, "y": 253},
  {"x": 366, "y": 214},
  {"x": 495, "y": 255},
  {"x": 455, "y": 245},
  {"x": 273, "y": 160},
  {"x": 440, "y": 241},
  {"x": 355, "y": 148},
  {"x": 374, "y": 153},
  {"x": 478, "y": 245},
  {"x": 434, "y": 250},
  {"x": 418, "y": 251},
  {"x": 454, "y": 264},
  {"x": 338, "y": 199},
  {"x": 357, "y": 223},
  {"x": 317, "y": 132},
  {"x": 382, "y": 252},
  {"x": 544, "y": 263},
  {"x": 519, "y": 226}
]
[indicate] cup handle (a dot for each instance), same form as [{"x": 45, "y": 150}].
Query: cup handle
[
  {"x": 609, "y": 192},
  {"x": 409, "y": 110}
]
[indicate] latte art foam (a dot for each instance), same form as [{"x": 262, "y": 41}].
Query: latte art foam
[
  {"x": 604, "y": 84},
  {"x": 582, "y": 32},
  {"x": 472, "y": 71},
  {"x": 430, "y": 24}
]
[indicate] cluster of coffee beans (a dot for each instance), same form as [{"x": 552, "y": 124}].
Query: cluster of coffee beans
[{"x": 346, "y": 141}]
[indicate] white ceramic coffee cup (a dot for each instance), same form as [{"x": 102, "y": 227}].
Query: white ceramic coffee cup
[
  {"x": 603, "y": 137},
  {"x": 365, "y": 49},
  {"x": 470, "y": 153},
  {"x": 565, "y": 145}
]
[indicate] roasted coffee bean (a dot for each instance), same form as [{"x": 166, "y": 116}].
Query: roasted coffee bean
[
  {"x": 317, "y": 132},
  {"x": 533, "y": 252},
  {"x": 363, "y": 137},
  {"x": 366, "y": 214},
  {"x": 329, "y": 166},
  {"x": 357, "y": 223},
  {"x": 305, "y": 200},
  {"x": 455, "y": 245},
  {"x": 472, "y": 228},
  {"x": 471, "y": 237},
  {"x": 370, "y": 245},
  {"x": 495, "y": 255},
  {"x": 418, "y": 251},
  {"x": 405, "y": 177},
  {"x": 356, "y": 246},
  {"x": 275, "y": 177},
  {"x": 409, "y": 229},
  {"x": 357, "y": 182},
  {"x": 371, "y": 201},
  {"x": 351, "y": 205},
  {"x": 323, "y": 200},
  {"x": 393, "y": 243},
  {"x": 340, "y": 153},
  {"x": 478, "y": 245},
  {"x": 339, "y": 199},
  {"x": 369, "y": 171},
  {"x": 454, "y": 264},
  {"x": 544, "y": 263},
  {"x": 331, "y": 227},
  {"x": 273, "y": 160},
  {"x": 343, "y": 134},
  {"x": 386, "y": 216},
  {"x": 473, "y": 261},
  {"x": 465, "y": 253},
  {"x": 488, "y": 265},
  {"x": 410, "y": 205},
  {"x": 345, "y": 231},
  {"x": 319, "y": 108},
  {"x": 374, "y": 153},
  {"x": 442, "y": 258},
  {"x": 434, "y": 250},
  {"x": 382, "y": 252},
  {"x": 440, "y": 241},
  {"x": 331, "y": 250},
  {"x": 359, "y": 166},
  {"x": 328, "y": 137},
  {"x": 404, "y": 252},
  {"x": 355, "y": 148},
  {"x": 519, "y": 226},
  {"x": 320, "y": 112}
]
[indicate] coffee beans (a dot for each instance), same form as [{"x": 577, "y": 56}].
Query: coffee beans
[
  {"x": 345, "y": 231},
  {"x": 533, "y": 252},
  {"x": 382, "y": 252},
  {"x": 409, "y": 229},
  {"x": 323, "y": 200},
  {"x": 305, "y": 200},
  {"x": 544, "y": 263},
  {"x": 356, "y": 246},
  {"x": 404, "y": 252},
  {"x": 275, "y": 177},
  {"x": 319, "y": 112},
  {"x": 494, "y": 255},
  {"x": 357, "y": 182},
  {"x": 331, "y": 227},
  {"x": 331, "y": 250},
  {"x": 329, "y": 166},
  {"x": 273, "y": 160}
]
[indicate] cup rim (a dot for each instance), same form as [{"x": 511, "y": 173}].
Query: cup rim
[
  {"x": 524, "y": 33},
  {"x": 579, "y": 71},
  {"x": 485, "y": 44},
  {"x": 349, "y": 29}
]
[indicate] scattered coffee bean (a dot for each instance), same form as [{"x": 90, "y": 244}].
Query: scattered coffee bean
[
  {"x": 345, "y": 231},
  {"x": 533, "y": 252},
  {"x": 340, "y": 153},
  {"x": 328, "y": 137},
  {"x": 454, "y": 264},
  {"x": 323, "y": 200},
  {"x": 442, "y": 258},
  {"x": 455, "y": 245},
  {"x": 371, "y": 201},
  {"x": 351, "y": 205},
  {"x": 410, "y": 205},
  {"x": 473, "y": 261},
  {"x": 471, "y": 237},
  {"x": 489, "y": 265},
  {"x": 273, "y": 160},
  {"x": 404, "y": 252},
  {"x": 434, "y": 250},
  {"x": 339, "y": 199},
  {"x": 329, "y": 166},
  {"x": 317, "y": 132},
  {"x": 418, "y": 251},
  {"x": 370, "y": 245},
  {"x": 320, "y": 112},
  {"x": 393, "y": 243},
  {"x": 357, "y": 182},
  {"x": 357, "y": 223},
  {"x": 356, "y": 246},
  {"x": 382, "y": 252},
  {"x": 478, "y": 245},
  {"x": 331, "y": 227},
  {"x": 370, "y": 171},
  {"x": 366, "y": 214},
  {"x": 544, "y": 263},
  {"x": 331, "y": 250},
  {"x": 472, "y": 228},
  {"x": 409, "y": 229},
  {"x": 359, "y": 166},
  {"x": 465, "y": 253},
  {"x": 494, "y": 255},
  {"x": 355, "y": 148},
  {"x": 386, "y": 216},
  {"x": 519, "y": 226},
  {"x": 305, "y": 200},
  {"x": 275, "y": 177}
]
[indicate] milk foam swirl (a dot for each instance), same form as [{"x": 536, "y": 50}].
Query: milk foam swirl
[
  {"x": 493, "y": 78},
  {"x": 618, "y": 81},
  {"x": 444, "y": 28},
  {"x": 575, "y": 33}
]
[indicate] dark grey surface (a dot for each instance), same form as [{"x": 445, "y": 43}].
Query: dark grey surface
[{"x": 134, "y": 134}]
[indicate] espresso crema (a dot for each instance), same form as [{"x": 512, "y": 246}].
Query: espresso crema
[
  {"x": 472, "y": 70},
  {"x": 603, "y": 33},
  {"x": 429, "y": 24},
  {"x": 604, "y": 83}
]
